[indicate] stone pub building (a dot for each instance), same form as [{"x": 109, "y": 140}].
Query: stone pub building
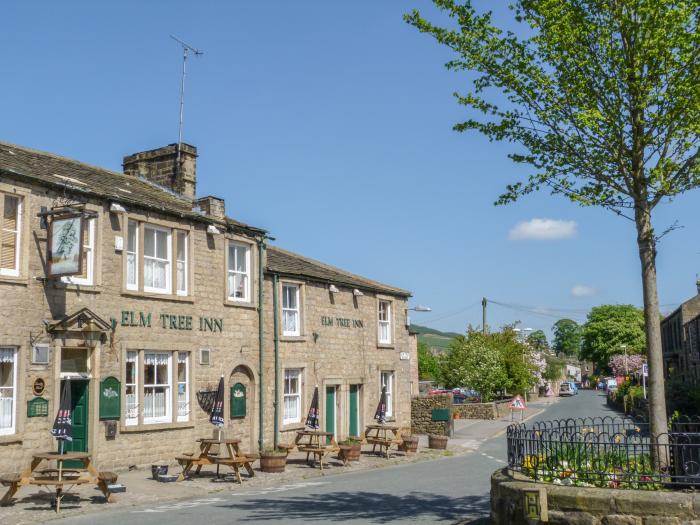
[{"x": 172, "y": 296}]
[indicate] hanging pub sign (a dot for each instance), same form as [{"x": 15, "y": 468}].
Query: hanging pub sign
[{"x": 65, "y": 246}]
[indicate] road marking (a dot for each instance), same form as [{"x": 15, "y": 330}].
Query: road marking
[
  {"x": 283, "y": 488},
  {"x": 181, "y": 505}
]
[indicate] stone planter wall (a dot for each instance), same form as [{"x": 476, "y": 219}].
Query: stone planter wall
[
  {"x": 592, "y": 506},
  {"x": 492, "y": 410},
  {"x": 422, "y": 415}
]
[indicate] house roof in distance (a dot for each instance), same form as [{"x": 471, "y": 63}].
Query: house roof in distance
[
  {"x": 77, "y": 177},
  {"x": 291, "y": 264}
]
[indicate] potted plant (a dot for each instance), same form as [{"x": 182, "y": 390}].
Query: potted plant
[
  {"x": 350, "y": 449},
  {"x": 273, "y": 459},
  {"x": 437, "y": 442},
  {"x": 410, "y": 443}
]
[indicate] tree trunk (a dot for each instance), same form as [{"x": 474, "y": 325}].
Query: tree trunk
[{"x": 657, "y": 396}]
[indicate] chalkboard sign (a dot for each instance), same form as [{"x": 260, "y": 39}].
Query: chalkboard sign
[
  {"x": 110, "y": 398},
  {"x": 37, "y": 407},
  {"x": 238, "y": 400}
]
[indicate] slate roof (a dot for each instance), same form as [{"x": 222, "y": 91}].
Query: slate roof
[
  {"x": 77, "y": 177},
  {"x": 291, "y": 264}
]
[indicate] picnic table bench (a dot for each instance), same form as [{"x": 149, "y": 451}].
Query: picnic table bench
[
  {"x": 58, "y": 478},
  {"x": 382, "y": 436},
  {"x": 311, "y": 442},
  {"x": 234, "y": 460}
]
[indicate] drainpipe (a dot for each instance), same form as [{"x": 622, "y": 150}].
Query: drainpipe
[
  {"x": 275, "y": 283},
  {"x": 261, "y": 340}
]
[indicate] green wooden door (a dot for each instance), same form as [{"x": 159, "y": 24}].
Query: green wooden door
[
  {"x": 80, "y": 401},
  {"x": 354, "y": 414},
  {"x": 330, "y": 411}
]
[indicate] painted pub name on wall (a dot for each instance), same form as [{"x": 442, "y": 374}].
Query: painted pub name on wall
[
  {"x": 341, "y": 322},
  {"x": 170, "y": 321}
]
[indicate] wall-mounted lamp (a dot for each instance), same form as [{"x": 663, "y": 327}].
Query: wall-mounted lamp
[
  {"x": 357, "y": 293},
  {"x": 333, "y": 288},
  {"x": 213, "y": 230},
  {"x": 117, "y": 208},
  {"x": 417, "y": 308}
]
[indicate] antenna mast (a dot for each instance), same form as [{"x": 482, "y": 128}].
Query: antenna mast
[{"x": 186, "y": 48}]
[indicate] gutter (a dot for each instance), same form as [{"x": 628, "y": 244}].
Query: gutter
[
  {"x": 275, "y": 285},
  {"x": 261, "y": 341}
]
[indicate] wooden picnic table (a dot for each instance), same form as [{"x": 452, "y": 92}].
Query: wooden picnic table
[
  {"x": 383, "y": 436},
  {"x": 235, "y": 458},
  {"x": 316, "y": 443},
  {"x": 59, "y": 477}
]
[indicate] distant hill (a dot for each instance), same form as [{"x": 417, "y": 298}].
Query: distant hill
[{"x": 435, "y": 339}]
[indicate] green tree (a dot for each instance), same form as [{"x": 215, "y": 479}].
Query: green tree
[
  {"x": 611, "y": 329},
  {"x": 538, "y": 340},
  {"x": 473, "y": 361},
  {"x": 567, "y": 337},
  {"x": 601, "y": 100},
  {"x": 555, "y": 368},
  {"x": 427, "y": 363}
]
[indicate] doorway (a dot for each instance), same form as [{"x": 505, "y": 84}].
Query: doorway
[
  {"x": 80, "y": 402},
  {"x": 354, "y": 411},
  {"x": 331, "y": 395}
]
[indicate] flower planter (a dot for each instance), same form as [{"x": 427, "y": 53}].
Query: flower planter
[
  {"x": 437, "y": 442},
  {"x": 350, "y": 452},
  {"x": 273, "y": 461},
  {"x": 410, "y": 444}
]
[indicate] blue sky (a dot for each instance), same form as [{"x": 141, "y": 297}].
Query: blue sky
[{"x": 329, "y": 124}]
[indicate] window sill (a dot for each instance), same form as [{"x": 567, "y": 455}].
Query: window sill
[
  {"x": 293, "y": 339},
  {"x": 83, "y": 288},
  {"x": 10, "y": 439},
  {"x": 292, "y": 426},
  {"x": 127, "y": 429},
  {"x": 23, "y": 281},
  {"x": 162, "y": 297},
  {"x": 241, "y": 304},
  {"x": 387, "y": 346}
]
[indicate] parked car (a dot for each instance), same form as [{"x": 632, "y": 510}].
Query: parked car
[
  {"x": 565, "y": 390},
  {"x": 573, "y": 386},
  {"x": 611, "y": 384}
]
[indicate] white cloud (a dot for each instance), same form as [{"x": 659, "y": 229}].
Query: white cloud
[
  {"x": 543, "y": 230},
  {"x": 581, "y": 290}
]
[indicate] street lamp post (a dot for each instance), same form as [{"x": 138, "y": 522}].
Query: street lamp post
[
  {"x": 624, "y": 349},
  {"x": 417, "y": 308}
]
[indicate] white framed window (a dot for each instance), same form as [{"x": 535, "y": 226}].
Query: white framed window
[
  {"x": 183, "y": 391},
  {"x": 8, "y": 390},
  {"x": 387, "y": 381},
  {"x": 40, "y": 354},
  {"x": 86, "y": 278},
  {"x": 292, "y": 396},
  {"x": 131, "y": 388},
  {"x": 157, "y": 377},
  {"x": 181, "y": 262},
  {"x": 157, "y": 256},
  {"x": 238, "y": 272},
  {"x": 132, "y": 256},
  {"x": 10, "y": 234},
  {"x": 385, "y": 322},
  {"x": 290, "y": 310}
]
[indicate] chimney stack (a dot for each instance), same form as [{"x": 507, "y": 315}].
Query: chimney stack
[
  {"x": 211, "y": 206},
  {"x": 161, "y": 167}
]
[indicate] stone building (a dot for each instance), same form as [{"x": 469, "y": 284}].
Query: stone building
[
  {"x": 172, "y": 295},
  {"x": 679, "y": 340}
]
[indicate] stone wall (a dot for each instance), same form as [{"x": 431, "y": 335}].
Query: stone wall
[
  {"x": 591, "y": 506},
  {"x": 422, "y": 415},
  {"x": 492, "y": 410}
]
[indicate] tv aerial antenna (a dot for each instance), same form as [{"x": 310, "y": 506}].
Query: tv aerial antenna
[{"x": 186, "y": 48}]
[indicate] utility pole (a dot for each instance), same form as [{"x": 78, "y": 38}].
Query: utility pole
[{"x": 483, "y": 315}]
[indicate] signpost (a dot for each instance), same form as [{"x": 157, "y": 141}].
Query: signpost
[{"x": 517, "y": 403}]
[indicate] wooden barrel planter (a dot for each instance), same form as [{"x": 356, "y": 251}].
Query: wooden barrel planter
[
  {"x": 350, "y": 452},
  {"x": 437, "y": 442},
  {"x": 274, "y": 461},
  {"x": 410, "y": 443}
]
